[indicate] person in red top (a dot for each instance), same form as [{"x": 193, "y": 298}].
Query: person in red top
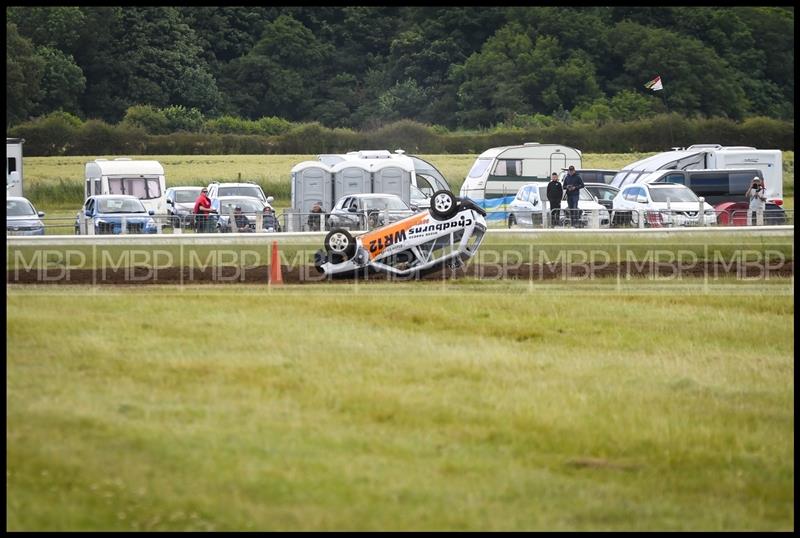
[{"x": 202, "y": 208}]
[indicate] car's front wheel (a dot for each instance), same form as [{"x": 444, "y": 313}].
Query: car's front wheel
[
  {"x": 340, "y": 242},
  {"x": 444, "y": 205}
]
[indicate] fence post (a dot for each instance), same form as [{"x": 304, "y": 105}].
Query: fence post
[
  {"x": 642, "y": 215},
  {"x": 259, "y": 222},
  {"x": 124, "y": 226},
  {"x": 179, "y": 228},
  {"x": 759, "y": 217},
  {"x": 701, "y": 213},
  {"x": 159, "y": 229},
  {"x": 669, "y": 211}
]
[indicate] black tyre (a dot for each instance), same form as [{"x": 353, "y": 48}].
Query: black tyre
[
  {"x": 444, "y": 205},
  {"x": 340, "y": 242},
  {"x": 511, "y": 220}
]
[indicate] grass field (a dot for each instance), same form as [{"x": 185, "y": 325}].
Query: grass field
[
  {"x": 479, "y": 405},
  {"x": 55, "y": 184}
]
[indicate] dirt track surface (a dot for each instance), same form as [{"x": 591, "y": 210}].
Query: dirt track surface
[{"x": 308, "y": 275}]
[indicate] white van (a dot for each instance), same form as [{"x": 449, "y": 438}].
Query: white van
[
  {"x": 500, "y": 172},
  {"x": 710, "y": 157},
  {"x": 142, "y": 179}
]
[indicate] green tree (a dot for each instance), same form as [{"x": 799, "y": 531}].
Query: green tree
[
  {"x": 24, "y": 70},
  {"x": 278, "y": 76},
  {"x": 62, "y": 82}
]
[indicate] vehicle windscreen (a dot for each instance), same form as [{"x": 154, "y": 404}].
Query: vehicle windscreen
[
  {"x": 253, "y": 191},
  {"x": 674, "y": 194},
  {"x": 183, "y": 197},
  {"x": 392, "y": 204},
  {"x": 248, "y": 206},
  {"x": 436, "y": 178},
  {"x": 479, "y": 168},
  {"x": 602, "y": 193},
  {"x": 120, "y": 205},
  {"x": 19, "y": 208}
]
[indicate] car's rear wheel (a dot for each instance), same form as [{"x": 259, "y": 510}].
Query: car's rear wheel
[
  {"x": 340, "y": 242},
  {"x": 511, "y": 220},
  {"x": 443, "y": 205}
]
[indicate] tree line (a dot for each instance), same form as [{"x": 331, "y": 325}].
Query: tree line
[{"x": 365, "y": 67}]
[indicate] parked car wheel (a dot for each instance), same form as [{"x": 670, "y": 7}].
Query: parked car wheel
[
  {"x": 511, "y": 220},
  {"x": 340, "y": 242},
  {"x": 443, "y": 205}
]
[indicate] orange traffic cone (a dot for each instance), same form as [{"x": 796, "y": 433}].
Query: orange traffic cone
[{"x": 275, "y": 276}]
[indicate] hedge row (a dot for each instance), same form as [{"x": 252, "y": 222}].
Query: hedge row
[{"x": 63, "y": 134}]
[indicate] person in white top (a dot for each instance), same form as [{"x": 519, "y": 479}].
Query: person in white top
[{"x": 757, "y": 198}]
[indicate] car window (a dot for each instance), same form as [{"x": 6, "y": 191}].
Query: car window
[
  {"x": 248, "y": 205},
  {"x": 243, "y": 190},
  {"x": 19, "y": 208},
  {"x": 586, "y": 196},
  {"x": 630, "y": 194},
  {"x": 391, "y": 203},
  {"x": 185, "y": 196},
  {"x": 675, "y": 177},
  {"x": 675, "y": 194},
  {"x": 120, "y": 205},
  {"x": 711, "y": 183}
]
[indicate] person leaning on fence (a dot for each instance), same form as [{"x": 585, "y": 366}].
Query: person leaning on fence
[
  {"x": 270, "y": 220},
  {"x": 758, "y": 200},
  {"x": 240, "y": 220},
  {"x": 202, "y": 210},
  {"x": 554, "y": 194},
  {"x": 573, "y": 184},
  {"x": 314, "y": 219}
]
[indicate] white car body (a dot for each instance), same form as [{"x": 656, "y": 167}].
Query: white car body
[
  {"x": 638, "y": 199},
  {"x": 410, "y": 246}
]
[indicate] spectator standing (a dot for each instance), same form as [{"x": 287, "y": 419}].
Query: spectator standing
[
  {"x": 314, "y": 219},
  {"x": 202, "y": 210},
  {"x": 757, "y": 197},
  {"x": 554, "y": 194},
  {"x": 573, "y": 184}
]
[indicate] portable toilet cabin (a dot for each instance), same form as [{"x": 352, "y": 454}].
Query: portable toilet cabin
[
  {"x": 351, "y": 177},
  {"x": 391, "y": 176},
  {"x": 312, "y": 182}
]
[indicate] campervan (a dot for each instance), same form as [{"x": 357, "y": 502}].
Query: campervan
[
  {"x": 710, "y": 157},
  {"x": 142, "y": 179},
  {"x": 14, "y": 166},
  {"x": 500, "y": 172}
]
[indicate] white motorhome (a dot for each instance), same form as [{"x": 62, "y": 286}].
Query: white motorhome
[
  {"x": 500, "y": 172},
  {"x": 142, "y": 179},
  {"x": 710, "y": 156},
  {"x": 14, "y": 166}
]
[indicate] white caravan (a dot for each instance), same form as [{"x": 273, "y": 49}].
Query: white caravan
[
  {"x": 710, "y": 156},
  {"x": 500, "y": 172},
  {"x": 142, "y": 179},
  {"x": 14, "y": 166}
]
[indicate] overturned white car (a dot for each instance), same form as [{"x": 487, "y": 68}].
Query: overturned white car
[{"x": 447, "y": 234}]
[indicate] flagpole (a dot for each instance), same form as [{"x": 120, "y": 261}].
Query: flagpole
[{"x": 669, "y": 119}]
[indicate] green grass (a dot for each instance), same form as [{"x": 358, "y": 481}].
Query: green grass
[
  {"x": 57, "y": 182},
  {"x": 408, "y": 406}
]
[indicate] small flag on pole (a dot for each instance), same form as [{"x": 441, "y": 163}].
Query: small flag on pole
[{"x": 654, "y": 84}]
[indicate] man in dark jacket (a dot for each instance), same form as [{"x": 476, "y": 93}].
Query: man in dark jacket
[
  {"x": 573, "y": 184},
  {"x": 554, "y": 194}
]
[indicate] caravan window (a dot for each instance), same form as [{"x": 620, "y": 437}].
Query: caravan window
[
  {"x": 509, "y": 168},
  {"x": 12, "y": 165},
  {"x": 115, "y": 185},
  {"x": 153, "y": 187},
  {"x": 480, "y": 167},
  {"x": 673, "y": 178},
  {"x": 135, "y": 187}
]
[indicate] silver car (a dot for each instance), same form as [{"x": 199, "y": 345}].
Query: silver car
[
  {"x": 367, "y": 211},
  {"x": 22, "y": 218}
]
